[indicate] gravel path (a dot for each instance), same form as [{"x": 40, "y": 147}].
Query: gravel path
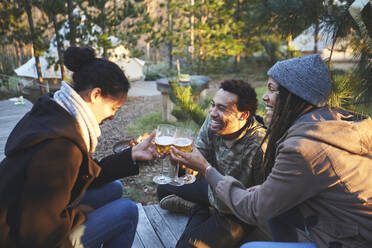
[{"x": 139, "y": 188}]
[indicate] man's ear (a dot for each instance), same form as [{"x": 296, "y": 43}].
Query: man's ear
[
  {"x": 95, "y": 95},
  {"x": 244, "y": 115}
]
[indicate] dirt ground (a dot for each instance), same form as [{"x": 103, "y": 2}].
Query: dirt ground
[{"x": 139, "y": 188}]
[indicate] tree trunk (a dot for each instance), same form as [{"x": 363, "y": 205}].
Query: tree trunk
[
  {"x": 289, "y": 40},
  {"x": 316, "y": 36},
  {"x": 192, "y": 21},
  {"x": 237, "y": 37},
  {"x": 22, "y": 52},
  {"x": 116, "y": 9},
  {"x": 18, "y": 54},
  {"x": 170, "y": 44},
  {"x": 148, "y": 46},
  {"x": 104, "y": 30},
  {"x": 236, "y": 63},
  {"x": 71, "y": 22},
  {"x": 35, "y": 48},
  {"x": 59, "y": 48}
]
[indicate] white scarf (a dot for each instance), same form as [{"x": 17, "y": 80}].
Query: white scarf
[{"x": 70, "y": 100}]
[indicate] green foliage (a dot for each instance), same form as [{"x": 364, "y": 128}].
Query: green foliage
[
  {"x": 133, "y": 193},
  {"x": 179, "y": 113},
  {"x": 188, "y": 102},
  {"x": 260, "y": 91},
  {"x": 156, "y": 71},
  {"x": 148, "y": 123},
  {"x": 342, "y": 93}
]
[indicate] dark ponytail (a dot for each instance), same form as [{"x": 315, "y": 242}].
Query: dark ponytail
[{"x": 91, "y": 72}]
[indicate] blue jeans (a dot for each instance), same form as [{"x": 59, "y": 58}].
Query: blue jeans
[
  {"x": 277, "y": 245},
  {"x": 195, "y": 192},
  {"x": 283, "y": 228},
  {"x": 112, "y": 223}
]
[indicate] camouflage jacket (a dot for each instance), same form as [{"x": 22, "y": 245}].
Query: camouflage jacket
[{"x": 233, "y": 157}]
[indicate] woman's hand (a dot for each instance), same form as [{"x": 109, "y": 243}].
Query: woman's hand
[
  {"x": 145, "y": 150},
  {"x": 253, "y": 188},
  {"x": 193, "y": 160}
]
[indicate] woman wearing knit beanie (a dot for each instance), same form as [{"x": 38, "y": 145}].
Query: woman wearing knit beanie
[
  {"x": 52, "y": 192},
  {"x": 318, "y": 165}
]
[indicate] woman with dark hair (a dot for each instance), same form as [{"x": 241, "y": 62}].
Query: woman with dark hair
[
  {"x": 52, "y": 193},
  {"x": 318, "y": 165}
]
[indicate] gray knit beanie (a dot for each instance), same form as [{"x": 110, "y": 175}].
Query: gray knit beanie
[{"x": 306, "y": 77}]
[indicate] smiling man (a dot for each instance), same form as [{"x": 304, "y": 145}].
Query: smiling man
[{"x": 229, "y": 140}]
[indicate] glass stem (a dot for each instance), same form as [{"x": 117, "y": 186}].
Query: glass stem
[
  {"x": 177, "y": 170},
  {"x": 162, "y": 167}
]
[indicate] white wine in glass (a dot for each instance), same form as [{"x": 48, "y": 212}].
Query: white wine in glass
[
  {"x": 163, "y": 141},
  {"x": 183, "y": 142}
]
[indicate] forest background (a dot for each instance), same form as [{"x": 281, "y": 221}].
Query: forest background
[
  {"x": 237, "y": 39},
  {"x": 203, "y": 36}
]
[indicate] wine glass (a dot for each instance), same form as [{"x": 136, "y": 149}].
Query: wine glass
[
  {"x": 163, "y": 141},
  {"x": 183, "y": 142}
]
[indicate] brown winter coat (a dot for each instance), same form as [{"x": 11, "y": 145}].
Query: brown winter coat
[{"x": 46, "y": 170}]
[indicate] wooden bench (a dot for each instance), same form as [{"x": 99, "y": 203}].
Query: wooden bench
[{"x": 157, "y": 227}]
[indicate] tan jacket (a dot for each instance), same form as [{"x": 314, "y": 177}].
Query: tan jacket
[{"x": 323, "y": 166}]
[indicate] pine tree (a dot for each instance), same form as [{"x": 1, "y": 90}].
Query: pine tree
[
  {"x": 52, "y": 9},
  {"x": 36, "y": 38}
]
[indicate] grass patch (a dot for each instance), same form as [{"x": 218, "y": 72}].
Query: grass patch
[
  {"x": 149, "y": 123},
  {"x": 150, "y": 182},
  {"x": 133, "y": 194}
]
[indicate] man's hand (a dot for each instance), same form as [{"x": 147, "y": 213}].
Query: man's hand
[
  {"x": 145, "y": 150},
  {"x": 193, "y": 160}
]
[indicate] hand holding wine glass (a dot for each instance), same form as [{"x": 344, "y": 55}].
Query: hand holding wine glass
[
  {"x": 193, "y": 160},
  {"x": 183, "y": 142},
  {"x": 145, "y": 150},
  {"x": 163, "y": 141}
]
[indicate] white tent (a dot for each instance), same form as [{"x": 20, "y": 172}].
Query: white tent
[
  {"x": 29, "y": 69},
  {"x": 133, "y": 67},
  {"x": 305, "y": 43}
]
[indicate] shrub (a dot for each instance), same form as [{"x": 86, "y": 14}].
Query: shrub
[{"x": 187, "y": 102}]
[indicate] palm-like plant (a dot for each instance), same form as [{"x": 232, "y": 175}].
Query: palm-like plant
[{"x": 292, "y": 16}]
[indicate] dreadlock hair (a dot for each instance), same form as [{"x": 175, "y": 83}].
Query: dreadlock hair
[{"x": 288, "y": 108}]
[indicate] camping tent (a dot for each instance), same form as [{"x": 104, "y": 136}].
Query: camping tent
[
  {"x": 29, "y": 69},
  {"x": 133, "y": 68},
  {"x": 305, "y": 43}
]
